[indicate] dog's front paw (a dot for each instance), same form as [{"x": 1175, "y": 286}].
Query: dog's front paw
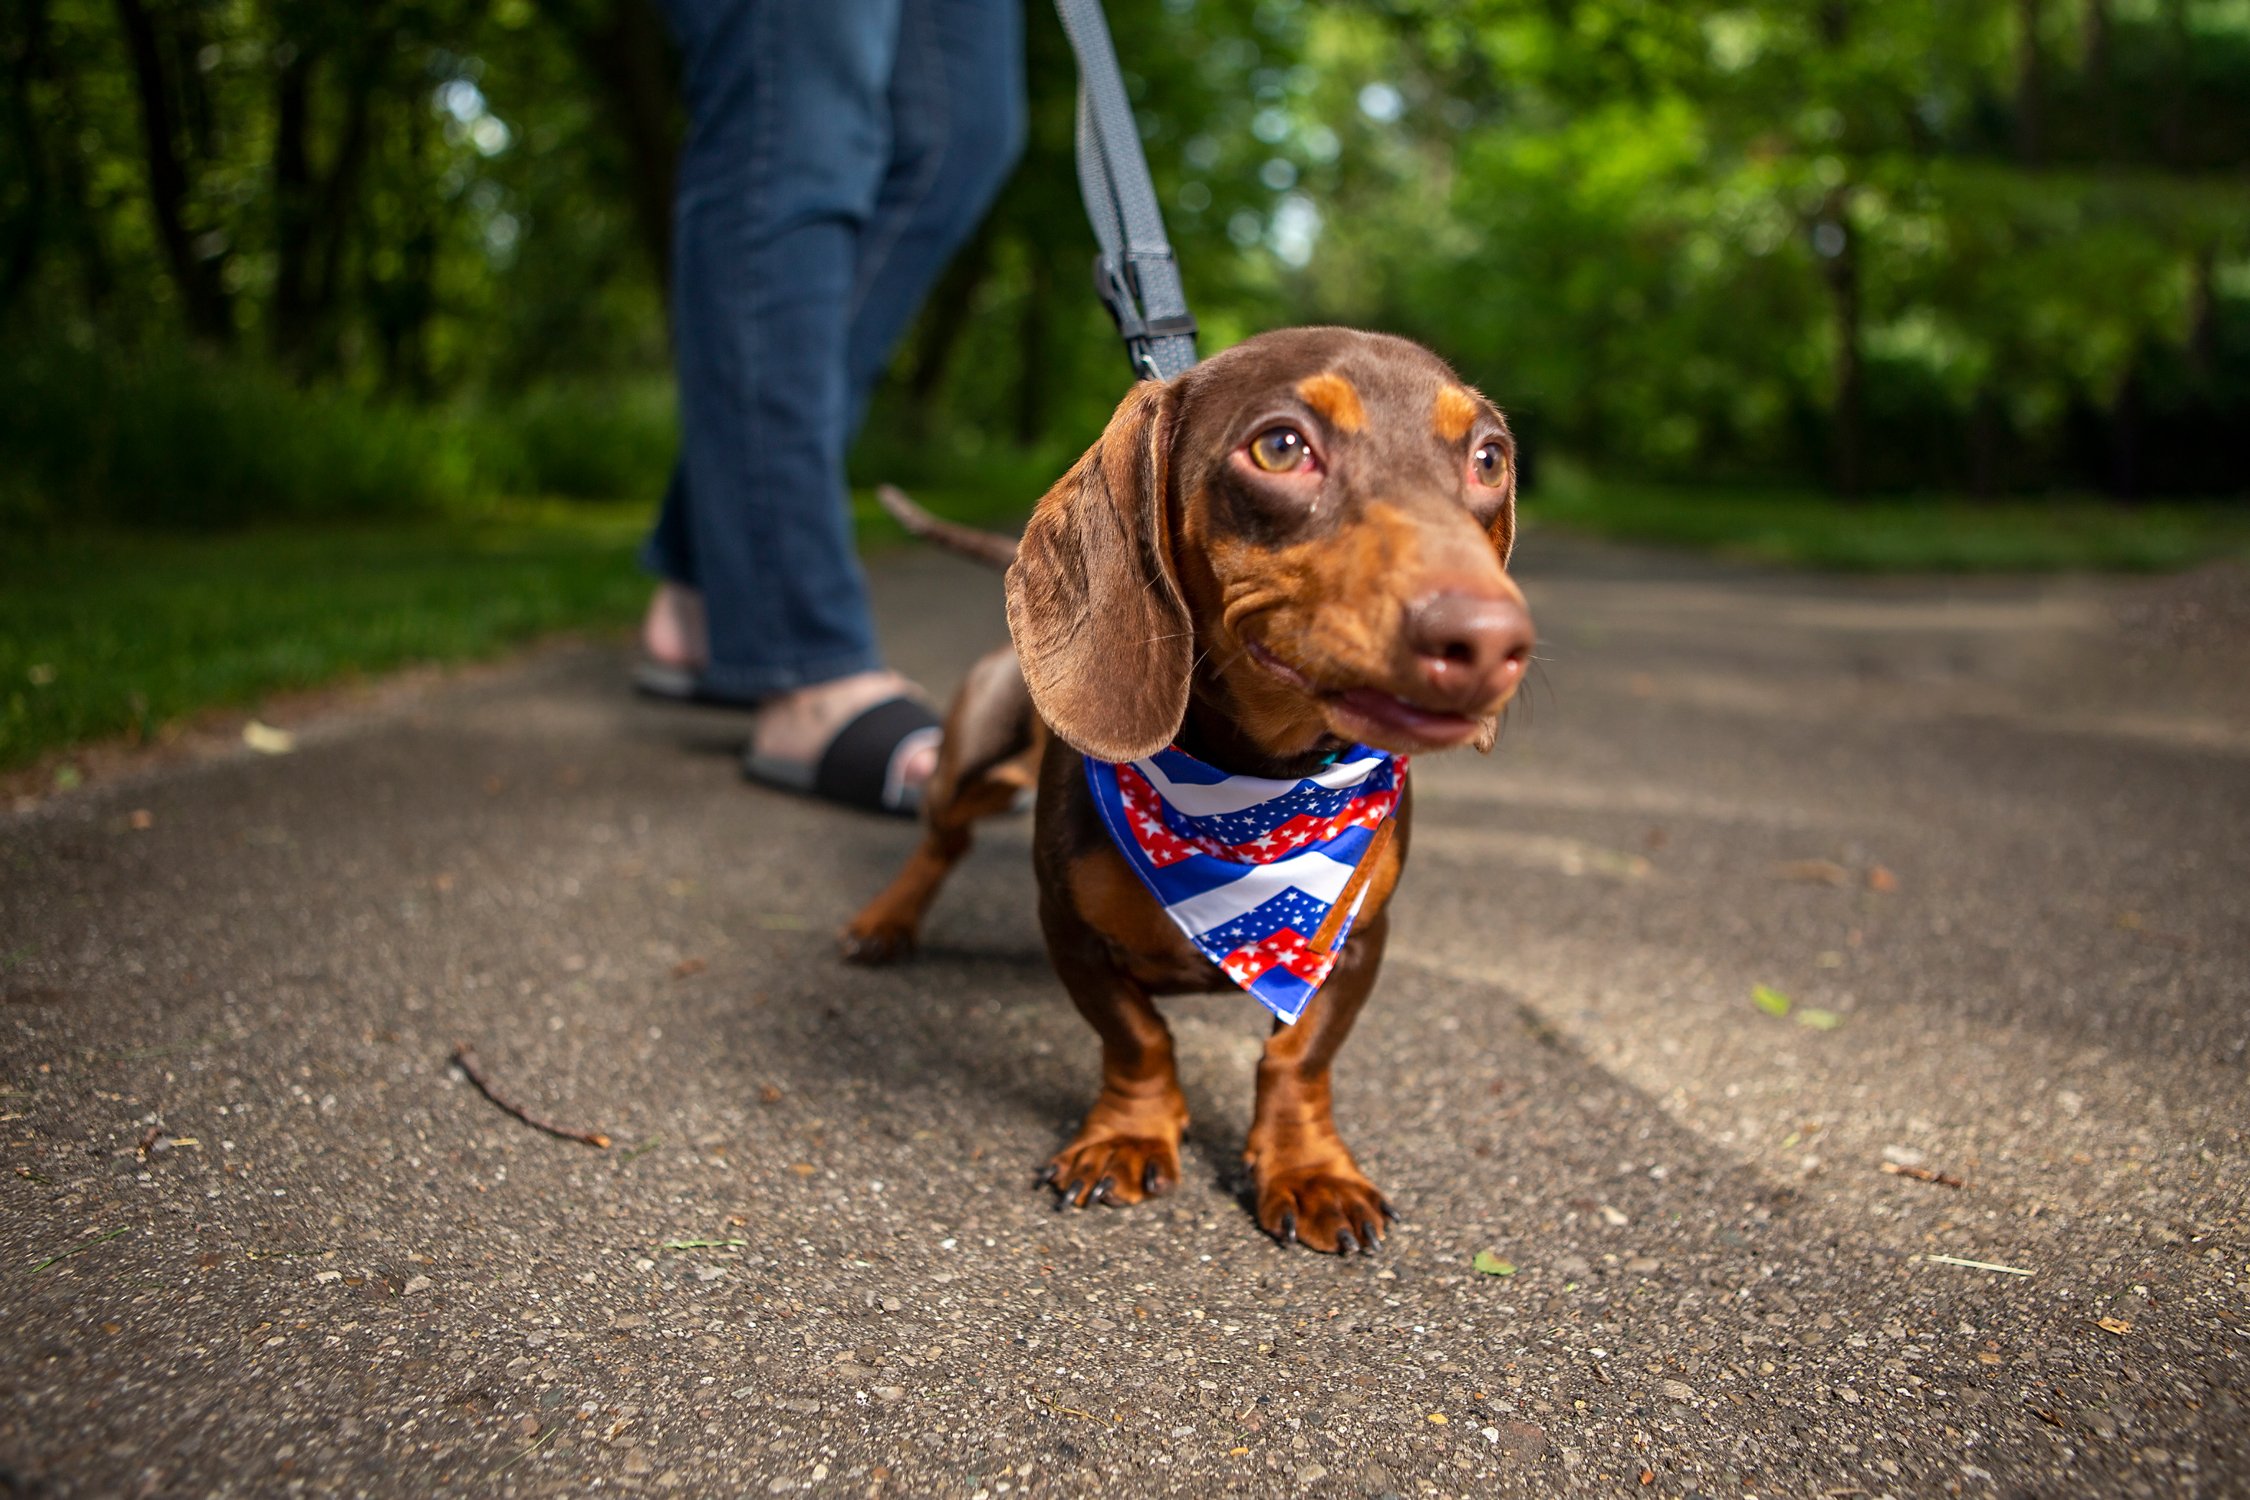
[
  {"x": 875, "y": 942},
  {"x": 1329, "y": 1207},
  {"x": 1107, "y": 1167}
]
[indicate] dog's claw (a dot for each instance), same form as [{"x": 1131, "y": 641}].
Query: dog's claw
[
  {"x": 1101, "y": 1191},
  {"x": 1288, "y": 1235},
  {"x": 1345, "y": 1244},
  {"x": 1390, "y": 1212},
  {"x": 1046, "y": 1176},
  {"x": 1370, "y": 1238},
  {"x": 1148, "y": 1179}
]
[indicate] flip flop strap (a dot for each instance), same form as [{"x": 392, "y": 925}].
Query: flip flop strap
[{"x": 857, "y": 766}]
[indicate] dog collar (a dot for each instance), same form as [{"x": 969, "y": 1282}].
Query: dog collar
[{"x": 1264, "y": 876}]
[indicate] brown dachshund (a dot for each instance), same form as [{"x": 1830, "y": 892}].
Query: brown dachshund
[{"x": 1296, "y": 547}]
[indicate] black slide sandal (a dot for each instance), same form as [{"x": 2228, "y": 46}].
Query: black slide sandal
[
  {"x": 666, "y": 683},
  {"x": 860, "y": 766}
]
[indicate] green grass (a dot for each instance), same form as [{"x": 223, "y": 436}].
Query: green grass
[
  {"x": 110, "y": 633},
  {"x": 120, "y": 633},
  {"x": 1896, "y": 535}
]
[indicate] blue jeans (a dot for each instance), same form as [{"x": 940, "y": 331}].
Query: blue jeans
[{"x": 838, "y": 152}]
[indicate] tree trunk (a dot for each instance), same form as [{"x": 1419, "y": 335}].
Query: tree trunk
[
  {"x": 337, "y": 198},
  {"x": 2031, "y": 85},
  {"x": 2203, "y": 314},
  {"x": 2101, "y": 80},
  {"x": 28, "y": 235},
  {"x": 2096, "y": 34},
  {"x": 2172, "y": 127},
  {"x": 1840, "y": 271},
  {"x": 413, "y": 298},
  {"x": 946, "y": 318},
  {"x": 630, "y": 56},
  {"x": 292, "y": 203},
  {"x": 2125, "y": 435},
  {"x": 1984, "y": 445},
  {"x": 202, "y": 290},
  {"x": 81, "y": 225}
]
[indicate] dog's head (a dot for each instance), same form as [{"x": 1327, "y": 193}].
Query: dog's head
[{"x": 1309, "y": 531}]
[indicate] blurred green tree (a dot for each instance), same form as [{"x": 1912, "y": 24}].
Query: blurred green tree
[{"x": 1882, "y": 243}]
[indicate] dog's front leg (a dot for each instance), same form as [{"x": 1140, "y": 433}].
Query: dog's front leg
[
  {"x": 1128, "y": 1147},
  {"x": 1308, "y": 1186}
]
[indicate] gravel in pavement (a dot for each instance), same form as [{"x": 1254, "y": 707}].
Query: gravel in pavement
[{"x": 1986, "y": 839}]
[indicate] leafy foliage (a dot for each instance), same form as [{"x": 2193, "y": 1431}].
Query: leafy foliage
[{"x": 1867, "y": 244}]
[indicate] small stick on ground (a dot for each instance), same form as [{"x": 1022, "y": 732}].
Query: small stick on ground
[
  {"x": 1921, "y": 1174},
  {"x": 1977, "y": 1265},
  {"x": 466, "y": 1057}
]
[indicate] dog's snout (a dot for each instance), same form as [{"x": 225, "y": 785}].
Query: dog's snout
[{"x": 1471, "y": 649}]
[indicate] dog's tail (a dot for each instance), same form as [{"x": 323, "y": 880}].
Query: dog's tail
[{"x": 980, "y": 546}]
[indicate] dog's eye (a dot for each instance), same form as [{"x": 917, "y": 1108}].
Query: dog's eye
[
  {"x": 1490, "y": 464},
  {"x": 1279, "y": 450}
]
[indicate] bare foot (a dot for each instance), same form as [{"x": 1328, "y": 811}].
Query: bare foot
[
  {"x": 794, "y": 726},
  {"x": 798, "y": 726},
  {"x": 673, "y": 632}
]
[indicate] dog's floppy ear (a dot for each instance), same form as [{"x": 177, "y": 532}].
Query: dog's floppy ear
[{"x": 1100, "y": 627}]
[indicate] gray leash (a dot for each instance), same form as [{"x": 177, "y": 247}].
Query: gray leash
[{"x": 1135, "y": 274}]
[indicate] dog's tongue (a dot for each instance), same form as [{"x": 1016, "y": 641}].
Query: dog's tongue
[{"x": 1396, "y": 714}]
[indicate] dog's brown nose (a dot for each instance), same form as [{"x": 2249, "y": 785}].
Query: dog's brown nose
[{"x": 1471, "y": 649}]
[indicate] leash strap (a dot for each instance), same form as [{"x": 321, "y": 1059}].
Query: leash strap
[{"x": 1134, "y": 273}]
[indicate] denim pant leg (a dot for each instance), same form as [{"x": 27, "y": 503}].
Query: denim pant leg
[
  {"x": 957, "y": 129},
  {"x": 789, "y": 138}
]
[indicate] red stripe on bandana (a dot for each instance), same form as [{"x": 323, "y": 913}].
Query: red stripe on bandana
[{"x": 1164, "y": 846}]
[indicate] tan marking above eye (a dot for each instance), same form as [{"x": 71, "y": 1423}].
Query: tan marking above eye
[
  {"x": 1335, "y": 399},
  {"x": 1452, "y": 415}
]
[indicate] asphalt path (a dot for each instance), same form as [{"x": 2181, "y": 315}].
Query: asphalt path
[{"x": 1985, "y": 840}]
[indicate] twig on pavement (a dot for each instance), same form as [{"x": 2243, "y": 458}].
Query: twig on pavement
[
  {"x": 466, "y": 1057},
  {"x": 1977, "y": 1265}
]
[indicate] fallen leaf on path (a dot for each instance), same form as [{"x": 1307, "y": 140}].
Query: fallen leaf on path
[
  {"x": 1493, "y": 1265},
  {"x": 2119, "y": 1326},
  {"x": 267, "y": 740},
  {"x": 1818, "y": 1019},
  {"x": 1814, "y": 871},
  {"x": 1881, "y": 880},
  {"x": 1769, "y": 1000},
  {"x": 1919, "y": 1174},
  {"x": 140, "y": 819},
  {"x": 688, "y": 967}
]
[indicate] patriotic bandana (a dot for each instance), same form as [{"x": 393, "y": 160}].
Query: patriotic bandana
[{"x": 1253, "y": 869}]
